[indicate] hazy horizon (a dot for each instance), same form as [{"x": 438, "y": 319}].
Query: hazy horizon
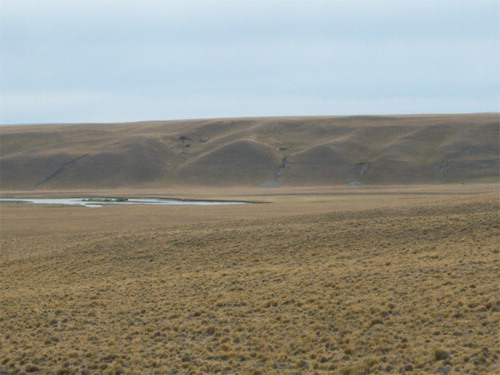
[
  {"x": 124, "y": 61},
  {"x": 246, "y": 118}
]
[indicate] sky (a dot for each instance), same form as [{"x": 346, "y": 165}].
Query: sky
[{"x": 71, "y": 61}]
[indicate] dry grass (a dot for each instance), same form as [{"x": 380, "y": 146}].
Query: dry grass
[
  {"x": 406, "y": 285},
  {"x": 251, "y": 151}
]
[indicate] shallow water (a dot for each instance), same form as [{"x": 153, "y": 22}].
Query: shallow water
[{"x": 100, "y": 202}]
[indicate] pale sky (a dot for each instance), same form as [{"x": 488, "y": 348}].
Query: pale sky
[{"x": 71, "y": 61}]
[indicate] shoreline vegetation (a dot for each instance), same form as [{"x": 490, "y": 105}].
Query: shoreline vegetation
[{"x": 105, "y": 200}]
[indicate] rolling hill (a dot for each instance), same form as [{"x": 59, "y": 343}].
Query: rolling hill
[{"x": 275, "y": 151}]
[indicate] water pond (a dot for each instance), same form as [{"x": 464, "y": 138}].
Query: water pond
[{"x": 100, "y": 202}]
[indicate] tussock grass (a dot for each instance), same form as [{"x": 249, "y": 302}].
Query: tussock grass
[{"x": 390, "y": 290}]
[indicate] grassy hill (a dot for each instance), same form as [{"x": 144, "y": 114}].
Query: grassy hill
[{"x": 256, "y": 151}]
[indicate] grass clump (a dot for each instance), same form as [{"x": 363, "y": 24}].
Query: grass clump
[{"x": 440, "y": 354}]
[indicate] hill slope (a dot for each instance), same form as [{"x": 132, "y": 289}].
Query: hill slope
[{"x": 256, "y": 151}]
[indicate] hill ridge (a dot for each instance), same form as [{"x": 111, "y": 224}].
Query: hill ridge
[{"x": 253, "y": 151}]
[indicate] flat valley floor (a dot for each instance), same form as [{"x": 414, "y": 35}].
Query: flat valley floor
[{"x": 318, "y": 280}]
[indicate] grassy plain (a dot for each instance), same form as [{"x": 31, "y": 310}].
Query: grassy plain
[{"x": 315, "y": 280}]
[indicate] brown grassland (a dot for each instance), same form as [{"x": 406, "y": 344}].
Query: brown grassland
[
  {"x": 345, "y": 280},
  {"x": 289, "y": 151}
]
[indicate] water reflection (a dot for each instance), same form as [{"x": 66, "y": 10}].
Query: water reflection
[{"x": 100, "y": 202}]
